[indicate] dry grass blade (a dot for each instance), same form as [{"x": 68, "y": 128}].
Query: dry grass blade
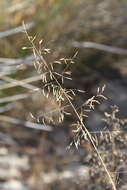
[
  {"x": 14, "y": 98},
  {"x": 15, "y": 30},
  {"x": 9, "y": 61},
  {"x": 102, "y": 47},
  {"x": 7, "y": 107},
  {"x": 25, "y": 123},
  {"x": 23, "y": 83}
]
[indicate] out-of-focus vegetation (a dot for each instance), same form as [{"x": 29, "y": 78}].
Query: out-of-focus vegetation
[
  {"x": 65, "y": 21},
  {"x": 97, "y": 31},
  {"x": 49, "y": 17}
]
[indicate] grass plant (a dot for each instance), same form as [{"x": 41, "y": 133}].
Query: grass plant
[{"x": 53, "y": 85}]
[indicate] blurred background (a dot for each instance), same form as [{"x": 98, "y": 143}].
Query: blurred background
[{"x": 95, "y": 29}]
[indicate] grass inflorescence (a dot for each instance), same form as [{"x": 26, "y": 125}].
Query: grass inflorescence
[{"x": 53, "y": 78}]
